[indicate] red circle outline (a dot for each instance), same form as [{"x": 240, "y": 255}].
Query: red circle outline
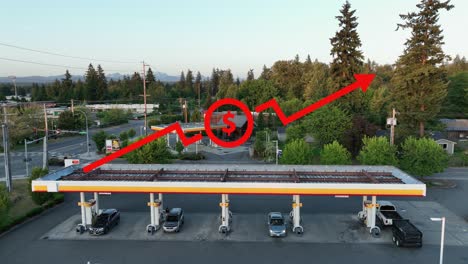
[{"x": 241, "y": 106}]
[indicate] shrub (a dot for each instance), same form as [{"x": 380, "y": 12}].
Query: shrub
[
  {"x": 422, "y": 157},
  {"x": 100, "y": 139},
  {"x": 153, "y": 152},
  {"x": 335, "y": 154},
  {"x": 179, "y": 147},
  {"x": 123, "y": 136},
  {"x": 377, "y": 151},
  {"x": 38, "y": 197},
  {"x": 296, "y": 152},
  {"x": 131, "y": 133}
]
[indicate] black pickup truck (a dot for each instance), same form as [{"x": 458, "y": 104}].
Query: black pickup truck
[{"x": 406, "y": 234}]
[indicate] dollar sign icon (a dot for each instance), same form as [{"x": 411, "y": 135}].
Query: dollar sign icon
[{"x": 231, "y": 126}]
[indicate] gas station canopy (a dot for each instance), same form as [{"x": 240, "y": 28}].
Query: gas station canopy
[{"x": 234, "y": 179}]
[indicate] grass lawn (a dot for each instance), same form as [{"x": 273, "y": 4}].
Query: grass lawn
[
  {"x": 22, "y": 205},
  {"x": 20, "y": 199}
]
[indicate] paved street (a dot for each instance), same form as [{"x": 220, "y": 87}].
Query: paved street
[
  {"x": 37, "y": 241},
  {"x": 63, "y": 146},
  {"x": 30, "y": 237}
]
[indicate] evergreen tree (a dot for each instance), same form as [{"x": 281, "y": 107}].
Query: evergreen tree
[
  {"x": 181, "y": 83},
  {"x": 150, "y": 78},
  {"x": 250, "y": 75},
  {"x": 266, "y": 73},
  {"x": 420, "y": 84},
  {"x": 134, "y": 87},
  {"x": 198, "y": 86},
  {"x": 91, "y": 84},
  {"x": 308, "y": 60},
  {"x": 101, "y": 92},
  {"x": 189, "y": 91},
  {"x": 347, "y": 58},
  {"x": 214, "y": 82},
  {"x": 66, "y": 89}
]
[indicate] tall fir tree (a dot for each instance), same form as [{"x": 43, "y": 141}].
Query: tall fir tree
[
  {"x": 181, "y": 83},
  {"x": 214, "y": 82},
  {"x": 250, "y": 75},
  {"x": 189, "y": 91},
  {"x": 66, "y": 89},
  {"x": 266, "y": 73},
  {"x": 198, "y": 86},
  {"x": 420, "y": 83},
  {"x": 150, "y": 77},
  {"x": 101, "y": 92},
  {"x": 91, "y": 84},
  {"x": 347, "y": 58}
]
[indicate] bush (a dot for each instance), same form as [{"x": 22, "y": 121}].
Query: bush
[
  {"x": 296, "y": 152},
  {"x": 4, "y": 204},
  {"x": 169, "y": 119},
  {"x": 100, "y": 139},
  {"x": 123, "y": 136},
  {"x": 422, "y": 157},
  {"x": 153, "y": 122},
  {"x": 294, "y": 132},
  {"x": 192, "y": 156},
  {"x": 115, "y": 116},
  {"x": 327, "y": 124},
  {"x": 131, "y": 133},
  {"x": 377, "y": 151},
  {"x": 260, "y": 143},
  {"x": 38, "y": 197},
  {"x": 153, "y": 152},
  {"x": 335, "y": 154},
  {"x": 179, "y": 147}
]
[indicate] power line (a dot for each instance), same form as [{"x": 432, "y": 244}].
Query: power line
[
  {"x": 56, "y": 65},
  {"x": 43, "y": 64},
  {"x": 62, "y": 55}
]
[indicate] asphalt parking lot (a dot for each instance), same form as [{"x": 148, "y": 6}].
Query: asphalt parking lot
[{"x": 252, "y": 227}]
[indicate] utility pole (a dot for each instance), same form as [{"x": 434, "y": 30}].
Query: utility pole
[
  {"x": 185, "y": 110},
  {"x": 6, "y": 150},
  {"x": 45, "y": 159},
  {"x": 392, "y": 122},
  {"x": 13, "y": 79},
  {"x": 72, "y": 107},
  {"x": 144, "y": 95}
]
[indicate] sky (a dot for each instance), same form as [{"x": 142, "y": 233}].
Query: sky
[{"x": 172, "y": 36}]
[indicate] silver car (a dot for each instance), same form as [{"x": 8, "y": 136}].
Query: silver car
[{"x": 276, "y": 225}]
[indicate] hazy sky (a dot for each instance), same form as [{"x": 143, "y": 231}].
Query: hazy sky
[{"x": 172, "y": 36}]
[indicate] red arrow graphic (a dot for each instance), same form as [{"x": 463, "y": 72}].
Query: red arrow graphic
[
  {"x": 362, "y": 80},
  {"x": 174, "y": 127}
]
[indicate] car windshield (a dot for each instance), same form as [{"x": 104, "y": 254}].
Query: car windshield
[
  {"x": 276, "y": 221},
  {"x": 172, "y": 218},
  {"x": 100, "y": 221}
]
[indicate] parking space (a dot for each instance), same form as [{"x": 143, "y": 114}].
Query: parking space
[{"x": 319, "y": 228}]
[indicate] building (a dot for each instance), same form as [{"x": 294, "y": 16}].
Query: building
[
  {"x": 457, "y": 129},
  {"x": 135, "y": 108},
  {"x": 446, "y": 144}
]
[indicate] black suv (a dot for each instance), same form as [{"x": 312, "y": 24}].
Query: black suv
[
  {"x": 104, "y": 222},
  {"x": 174, "y": 220}
]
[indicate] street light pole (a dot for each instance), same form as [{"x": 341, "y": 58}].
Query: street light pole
[
  {"x": 276, "y": 152},
  {"x": 442, "y": 237},
  {"x": 87, "y": 131},
  {"x": 26, "y": 157}
]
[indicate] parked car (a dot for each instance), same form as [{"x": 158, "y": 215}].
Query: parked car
[
  {"x": 387, "y": 213},
  {"x": 174, "y": 220},
  {"x": 406, "y": 234},
  {"x": 104, "y": 222},
  {"x": 276, "y": 224}
]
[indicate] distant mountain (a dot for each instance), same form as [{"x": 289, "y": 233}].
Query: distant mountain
[{"x": 48, "y": 79}]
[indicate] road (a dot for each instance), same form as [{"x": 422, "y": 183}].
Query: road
[
  {"x": 24, "y": 245},
  {"x": 63, "y": 146}
]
